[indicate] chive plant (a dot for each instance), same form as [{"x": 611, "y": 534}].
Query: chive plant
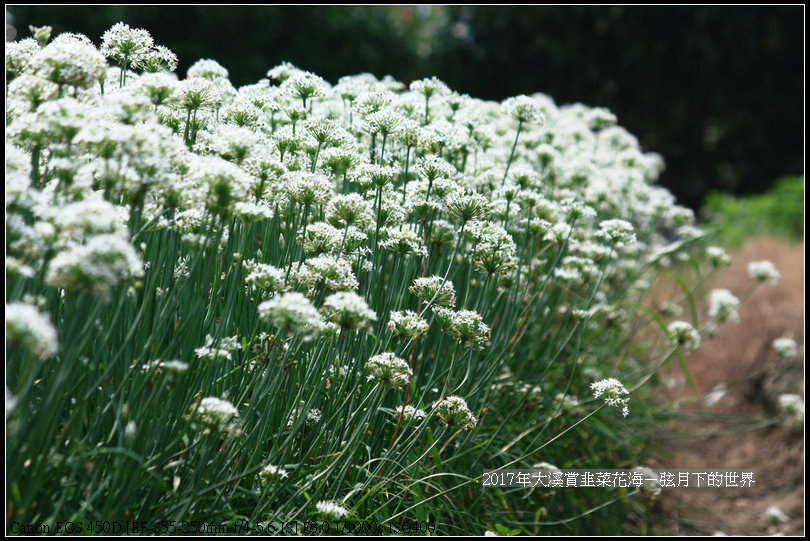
[{"x": 292, "y": 301}]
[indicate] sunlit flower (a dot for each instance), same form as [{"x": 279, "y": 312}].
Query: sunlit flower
[
  {"x": 389, "y": 370},
  {"x": 723, "y": 306},
  {"x": 785, "y": 347},
  {"x": 293, "y": 313},
  {"x": 407, "y": 325},
  {"x": 764, "y": 271},
  {"x": 612, "y": 390},
  {"x": 27, "y": 326},
  {"x": 348, "y": 310},
  {"x": 684, "y": 335},
  {"x": 453, "y": 411},
  {"x": 331, "y": 510}
]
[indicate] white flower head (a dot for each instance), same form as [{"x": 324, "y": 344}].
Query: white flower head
[
  {"x": 27, "y": 326},
  {"x": 718, "y": 256},
  {"x": 792, "y": 404},
  {"x": 453, "y": 411},
  {"x": 523, "y": 109},
  {"x": 764, "y": 271},
  {"x": 97, "y": 266},
  {"x": 217, "y": 414},
  {"x": 620, "y": 232},
  {"x": 312, "y": 417},
  {"x": 612, "y": 390},
  {"x": 684, "y": 335},
  {"x": 389, "y": 370},
  {"x": 407, "y": 324},
  {"x": 412, "y": 413},
  {"x": 348, "y": 310},
  {"x": 270, "y": 471},
  {"x": 327, "y": 272},
  {"x": 215, "y": 349},
  {"x": 126, "y": 45},
  {"x": 723, "y": 305},
  {"x": 776, "y": 516},
  {"x": 294, "y": 314},
  {"x": 435, "y": 289},
  {"x": 785, "y": 347},
  {"x": 331, "y": 510}
]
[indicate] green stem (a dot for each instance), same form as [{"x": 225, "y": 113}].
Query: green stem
[{"x": 512, "y": 154}]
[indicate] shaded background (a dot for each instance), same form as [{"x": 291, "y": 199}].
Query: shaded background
[{"x": 718, "y": 91}]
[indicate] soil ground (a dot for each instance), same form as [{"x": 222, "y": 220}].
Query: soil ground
[{"x": 740, "y": 426}]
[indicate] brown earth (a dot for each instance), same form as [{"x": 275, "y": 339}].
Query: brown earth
[{"x": 744, "y": 428}]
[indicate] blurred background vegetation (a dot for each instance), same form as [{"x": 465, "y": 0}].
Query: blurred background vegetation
[{"x": 718, "y": 91}]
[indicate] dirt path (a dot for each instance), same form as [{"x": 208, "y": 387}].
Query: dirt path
[{"x": 742, "y": 429}]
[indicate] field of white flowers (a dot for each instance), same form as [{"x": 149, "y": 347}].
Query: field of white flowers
[{"x": 294, "y": 301}]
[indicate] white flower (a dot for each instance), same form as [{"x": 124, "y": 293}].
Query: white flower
[
  {"x": 785, "y": 347},
  {"x": 97, "y": 266},
  {"x": 389, "y": 370},
  {"x": 718, "y": 256},
  {"x": 327, "y": 272},
  {"x": 313, "y": 417},
  {"x": 73, "y": 63},
  {"x": 11, "y": 403},
  {"x": 270, "y": 471},
  {"x": 723, "y": 305},
  {"x": 435, "y": 289},
  {"x": 266, "y": 277},
  {"x": 218, "y": 349},
  {"x": 412, "y": 413},
  {"x": 293, "y": 313},
  {"x": 545, "y": 466},
  {"x": 523, "y": 109},
  {"x": 612, "y": 390},
  {"x": 308, "y": 188},
  {"x": 407, "y": 324},
  {"x": 776, "y": 516},
  {"x": 207, "y": 69},
  {"x": 684, "y": 335},
  {"x": 125, "y": 45},
  {"x": 331, "y": 510},
  {"x": 453, "y": 411},
  {"x": 468, "y": 327},
  {"x": 468, "y": 206},
  {"x": 348, "y": 310},
  {"x": 764, "y": 271},
  {"x": 617, "y": 231},
  {"x": 27, "y": 326},
  {"x": 217, "y": 413},
  {"x": 404, "y": 242},
  {"x": 792, "y": 404},
  {"x": 304, "y": 85}
]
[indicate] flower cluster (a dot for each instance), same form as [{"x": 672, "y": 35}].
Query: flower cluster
[
  {"x": 723, "y": 306},
  {"x": 764, "y": 271},
  {"x": 216, "y": 414},
  {"x": 27, "y": 326},
  {"x": 785, "y": 347},
  {"x": 215, "y": 349},
  {"x": 453, "y": 411},
  {"x": 611, "y": 390},
  {"x": 684, "y": 335},
  {"x": 407, "y": 325},
  {"x": 466, "y": 326},
  {"x": 294, "y": 314},
  {"x": 349, "y": 311},
  {"x": 435, "y": 290},
  {"x": 331, "y": 510},
  {"x": 389, "y": 370}
]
